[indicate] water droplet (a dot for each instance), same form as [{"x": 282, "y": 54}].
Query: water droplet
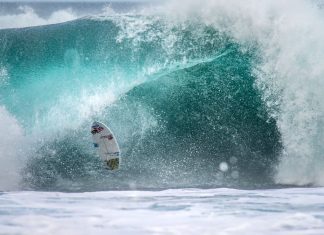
[{"x": 223, "y": 166}]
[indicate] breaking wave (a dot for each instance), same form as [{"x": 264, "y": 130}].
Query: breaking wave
[{"x": 224, "y": 93}]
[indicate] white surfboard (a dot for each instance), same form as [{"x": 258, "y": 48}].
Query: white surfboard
[{"x": 106, "y": 143}]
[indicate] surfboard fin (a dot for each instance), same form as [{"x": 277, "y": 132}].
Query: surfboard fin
[{"x": 113, "y": 164}]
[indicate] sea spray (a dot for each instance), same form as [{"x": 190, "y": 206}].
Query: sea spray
[
  {"x": 289, "y": 73},
  {"x": 12, "y": 150}
]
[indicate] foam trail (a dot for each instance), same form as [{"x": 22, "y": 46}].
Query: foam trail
[
  {"x": 11, "y": 145},
  {"x": 290, "y": 72},
  {"x": 28, "y": 17}
]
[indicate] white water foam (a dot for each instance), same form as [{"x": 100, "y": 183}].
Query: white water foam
[
  {"x": 28, "y": 17},
  {"x": 173, "y": 212},
  {"x": 290, "y": 37},
  {"x": 11, "y": 151}
]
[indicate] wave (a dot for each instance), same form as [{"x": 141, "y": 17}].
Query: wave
[
  {"x": 219, "y": 94},
  {"x": 289, "y": 78}
]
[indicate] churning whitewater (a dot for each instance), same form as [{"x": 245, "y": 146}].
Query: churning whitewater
[{"x": 221, "y": 93}]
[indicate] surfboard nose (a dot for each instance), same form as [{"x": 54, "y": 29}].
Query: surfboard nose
[{"x": 96, "y": 128}]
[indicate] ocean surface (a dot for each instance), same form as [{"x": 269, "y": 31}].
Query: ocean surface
[
  {"x": 176, "y": 211},
  {"x": 217, "y": 106}
]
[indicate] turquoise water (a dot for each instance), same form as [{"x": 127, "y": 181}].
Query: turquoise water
[
  {"x": 216, "y": 98},
  {"x": 195, "y": 109}
]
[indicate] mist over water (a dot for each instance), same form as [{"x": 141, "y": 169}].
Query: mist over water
[
  {"x": 221, "y": 93},
  {"x": 12, "y": 142}
]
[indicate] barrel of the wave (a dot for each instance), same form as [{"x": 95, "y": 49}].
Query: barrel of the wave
[{"x": 106, "y": 143}]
